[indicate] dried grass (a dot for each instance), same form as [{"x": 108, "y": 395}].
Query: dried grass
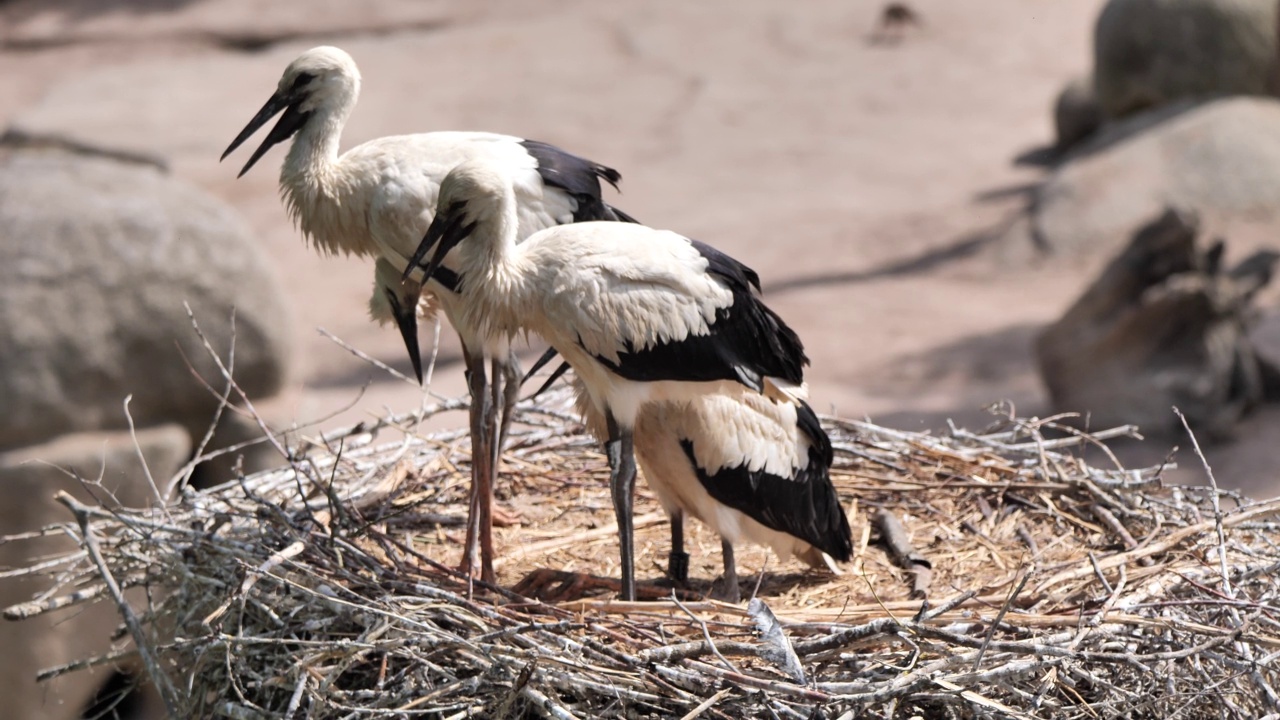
[{"x": 1062, "y": 586}]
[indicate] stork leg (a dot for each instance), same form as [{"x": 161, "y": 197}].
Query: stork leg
[
  {"x": 511, "y": 377},
  {"x": 484, "y": 483},
  {"x": 622, "y": 482},
  {"x": 504, "y": 391},
  {"x": 678, "y": 559},
  {"x": 728, "y": 589},
  {"x": 479, "y": 516}
]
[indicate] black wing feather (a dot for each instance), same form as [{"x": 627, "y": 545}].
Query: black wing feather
[
  {"x": 804, "y": 506},
  {"x": 615, "y": 215},
  {"x": 807, "y": 421},
  {"x": 747, "y": 341},
  {"x": 726, "y": 267},
  {"x": 578, "y": 177}
]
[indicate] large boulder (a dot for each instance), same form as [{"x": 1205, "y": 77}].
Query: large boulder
[
  {"x": 1165, "y": 325},
  {"x": 29, "y": 479},
  {"x": 1219, "y": 160},
  {"x": 1148, "y": 53},
  {"x": 100, "y": 255},
  {"x": 97, "y": 258}
]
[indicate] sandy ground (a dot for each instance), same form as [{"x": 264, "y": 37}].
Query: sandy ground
[{"x": 841, "y": 168}]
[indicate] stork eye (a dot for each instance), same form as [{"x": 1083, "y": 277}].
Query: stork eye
[{"x": 301, "y": 82}]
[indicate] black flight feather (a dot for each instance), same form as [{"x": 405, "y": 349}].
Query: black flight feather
[
  {"x": 807, "y": 421},
  {"x": 578, "y": 177},
  {"x": 726, "y": 267},
  {"x": 614, "y": 214},
  {"x": 581, "y": 179}
]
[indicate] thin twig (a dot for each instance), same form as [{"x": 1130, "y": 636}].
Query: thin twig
[
  {"x": 367, "y": 357},
  {"x": 706, "y": 704},
  {"x": 140, "y": 640},
  {"x": 142, "y": 459},
  {"x": 1217, "y": 507},
  {"x": 183, "y": 476},
  {"x": 995, "y": 624},
  {"x": 267, "y": 432},
  {"x": 706, "y": 633}
]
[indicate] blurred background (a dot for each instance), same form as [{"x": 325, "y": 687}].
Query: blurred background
[{"x": 924, "y": 188}]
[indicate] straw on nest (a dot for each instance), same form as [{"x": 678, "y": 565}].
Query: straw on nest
[{"x": 1061, "y": 589}]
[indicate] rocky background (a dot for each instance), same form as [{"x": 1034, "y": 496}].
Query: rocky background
[{"x": 922, "y": 198}]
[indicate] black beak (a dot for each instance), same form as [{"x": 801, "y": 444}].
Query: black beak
[
  {"x": 289, "y": 123},
  {"x": 446, "y": 231},
  {"x": 562, "y": 369},
  {"x": 547, "y": 357},
  {"x": 406, "y": 315}
]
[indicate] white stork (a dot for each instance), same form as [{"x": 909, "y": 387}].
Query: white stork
[
  {"x": 641, "y": 315},
  {"x": 377, "y": 200},
  {"x": 751, "y": 468}
]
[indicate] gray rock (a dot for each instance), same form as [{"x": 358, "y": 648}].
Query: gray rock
[
  {"x": 1165, "y": 325},
  {"x": 97, "y": 258},
  {"x": 1076, "y": 113},
  {"x": 1220, "y": 160},
  {"x": 29, "y": 478},
  {"x": 1148, "y": 53}
]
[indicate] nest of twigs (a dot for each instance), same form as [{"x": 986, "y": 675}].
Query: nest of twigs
[{"x": 1062, "y": 586}]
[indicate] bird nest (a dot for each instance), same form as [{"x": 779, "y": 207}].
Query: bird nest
[{"x": 1027, "y": 574}]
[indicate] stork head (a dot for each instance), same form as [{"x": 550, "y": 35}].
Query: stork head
[
  {"x": 396, "y": 299},
  {"x": 472, "y": 192},
  {"x": 322, "y": 77}
]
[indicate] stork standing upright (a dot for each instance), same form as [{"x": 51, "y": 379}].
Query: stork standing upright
[
  {"x": 641, "y": 315},
  {"x": 377, "y": 200}
]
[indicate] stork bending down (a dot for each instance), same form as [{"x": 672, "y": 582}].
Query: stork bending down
[
  {"x": 751, "y": 468},
  {"x": 642, "y": 315},
  {"x": 377, "y": 200}
]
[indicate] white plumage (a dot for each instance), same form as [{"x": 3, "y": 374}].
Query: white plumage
[
  {"x": 643, "y": 316},
  {"x": 377, "y": 200}
]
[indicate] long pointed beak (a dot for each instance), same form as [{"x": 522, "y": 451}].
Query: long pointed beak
[
  {"x": 289, "y": 123},
  {"x": 541, "y": 362},
  {"x": 547, "y": 357},
  {"x": 406, "y": 315},
  {"x": 561, "y": 370},
  {"x": 445, "y": 233}
]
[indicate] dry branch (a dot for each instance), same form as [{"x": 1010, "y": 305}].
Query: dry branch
[{"x": 898, "y": 542}]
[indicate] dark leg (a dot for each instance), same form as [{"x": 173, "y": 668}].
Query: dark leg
[
  {"x": 622, "y": 483},
  {"x": 489, "y": 470},
  {"x": 678, "y": 560},
  {"x": 478, "y": 519},
  {"x": 510, "y": 394},
  {"x": 728, "y": 590},
  {"x": 504, "y": 391}
]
